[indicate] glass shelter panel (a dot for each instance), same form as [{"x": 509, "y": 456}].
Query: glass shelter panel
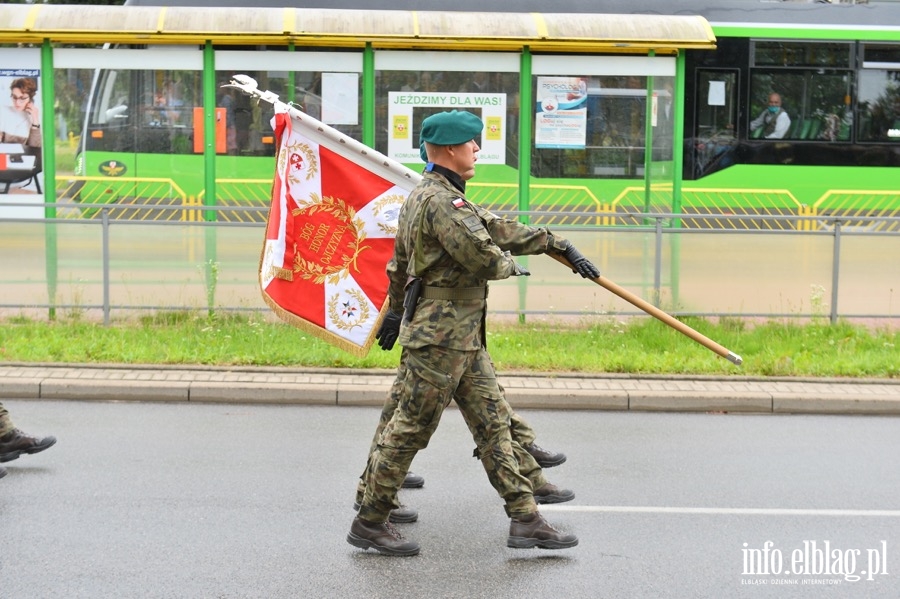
[
  {"x": 597, "y": 117},
  {"x": 141, "y": 126},
  {"x": 325, "y": 85}
]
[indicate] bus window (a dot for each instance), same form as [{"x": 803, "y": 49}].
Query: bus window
[
  {"x": 167, "y": 100},
  {"x": 813, "y": 83},
  {"x": 879, "y": 105},
  {"x": 879, "y": 93},
  {"x": 111, "y": 105}
]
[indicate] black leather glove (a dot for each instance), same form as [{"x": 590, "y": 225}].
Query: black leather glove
[
  {"x": 389, "y": 330},
  {"x": 580, "y": 264}
]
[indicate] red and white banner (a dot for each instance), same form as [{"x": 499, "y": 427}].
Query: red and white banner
[{"x": 330, "y": 231}]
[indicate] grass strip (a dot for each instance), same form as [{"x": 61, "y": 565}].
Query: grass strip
[{"x": 635, "y": 346}]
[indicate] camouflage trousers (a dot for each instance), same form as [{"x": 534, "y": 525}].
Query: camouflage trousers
[
  {"x": 6, "y": 424},
  {"x": 521, "y": 432},
  {"x": 427, "y": 380}
]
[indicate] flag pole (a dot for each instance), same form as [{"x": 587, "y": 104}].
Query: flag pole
[
  {"x": 395, "y": 172},
  {"x": 661, "y": 315}
]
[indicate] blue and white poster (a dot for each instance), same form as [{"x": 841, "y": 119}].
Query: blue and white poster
[{"x": 561, "y": 119}]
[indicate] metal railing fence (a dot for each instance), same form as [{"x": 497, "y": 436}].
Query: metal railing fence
[{"x": 122, "y": 266}]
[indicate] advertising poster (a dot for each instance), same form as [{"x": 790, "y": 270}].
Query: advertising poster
[
  {"x": 561, "y": 119},
  {"x": 407, "y": 110},
  {"x": 21, "y": 111}
]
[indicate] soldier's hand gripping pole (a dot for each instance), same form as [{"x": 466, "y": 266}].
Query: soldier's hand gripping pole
[{"x": 660, "y": 315}]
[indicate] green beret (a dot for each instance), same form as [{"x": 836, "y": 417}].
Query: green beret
[{"x": 449, "y": 129}]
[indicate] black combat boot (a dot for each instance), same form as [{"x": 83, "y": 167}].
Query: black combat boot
[
  {"x": 534, "y": 531},
  {"x": 544, "y": 458},
  {"x": 550, "y": 493},
  {"x": 15, "y": 443},
  {"x": 403, "y": 514},
  {"x": 414, "y": 481},
  {"x": 381, "y": 537}
]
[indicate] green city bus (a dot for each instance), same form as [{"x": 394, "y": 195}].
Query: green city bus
[{"x": 660, "y": 126}]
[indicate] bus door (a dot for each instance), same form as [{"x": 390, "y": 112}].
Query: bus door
[{"x": 715, "y": 121}]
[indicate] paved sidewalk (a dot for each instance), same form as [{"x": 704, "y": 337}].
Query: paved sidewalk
[{"x": 346, "y": 387}]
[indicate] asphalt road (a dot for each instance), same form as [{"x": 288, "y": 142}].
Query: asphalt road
[{"x": 232, "y": 501}]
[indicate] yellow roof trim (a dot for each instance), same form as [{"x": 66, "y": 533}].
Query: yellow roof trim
[
  {"x": 290, "y": 21},
  {"x": 540, "y": 24},
  {"x": 32, "y": 16},
  {"x": 161, "y": 21}
]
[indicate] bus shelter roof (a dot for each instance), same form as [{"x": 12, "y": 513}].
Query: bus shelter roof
[{"x": 499, "y": 31}]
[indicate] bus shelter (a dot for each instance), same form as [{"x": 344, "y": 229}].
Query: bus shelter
[
  {"x": 577, "y": 107},
  {"x": 580, "y": 110}
]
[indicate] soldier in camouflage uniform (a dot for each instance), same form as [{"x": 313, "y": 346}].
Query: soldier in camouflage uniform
[
  {"x": 530, "y": 457},
  {"x": 14, "y": 442},
  {"x": 449, "y": 249}
]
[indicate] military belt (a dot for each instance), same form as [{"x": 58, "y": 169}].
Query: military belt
[{"x": 455, "y": 293}]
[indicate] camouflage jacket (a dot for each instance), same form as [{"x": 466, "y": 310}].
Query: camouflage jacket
[{"x": 459, "y": 245}]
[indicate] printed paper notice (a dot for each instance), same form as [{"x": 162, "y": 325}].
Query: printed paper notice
[{"x": 716, "y": 95}]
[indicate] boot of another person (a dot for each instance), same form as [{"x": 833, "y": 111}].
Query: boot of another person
[
  {"x": 544, "y": 457},
  {"x": 3, "y": 472},
  {"x": 534, "y": 531},
  {"x": 414, "y": 481},
  {"x": 401, "y": 515},
  {"x": 15, "y": 443},
  {"x": 550, "y": 493},
  {"x": 382, "y": 537}
]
